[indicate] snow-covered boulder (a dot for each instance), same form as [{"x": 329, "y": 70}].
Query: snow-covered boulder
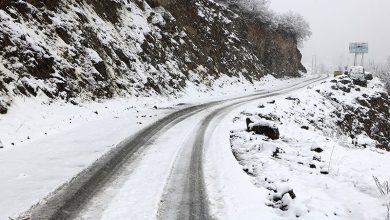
[
  {"x": 358, "y": 76},
  {"x": 263, "y": 127}
]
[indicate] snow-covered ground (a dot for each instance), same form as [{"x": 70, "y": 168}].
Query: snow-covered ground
[
  {"x": 314, "y": 171},
  {"x": 47, "y": 143}
]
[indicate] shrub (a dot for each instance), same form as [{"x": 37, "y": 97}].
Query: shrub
[
  {"x": 290, "y": 22},
  {"x": 385, "y": 77},
  {"x": 296, "y": 25}
]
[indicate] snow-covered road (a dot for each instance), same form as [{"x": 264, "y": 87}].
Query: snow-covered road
[{"x": 163, "y": 171}]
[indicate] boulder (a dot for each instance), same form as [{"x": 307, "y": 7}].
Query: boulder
[
  {"x": 345, "y": 81},
  {"x": 271, "y": 102},
  {"x": 305, "y": 127},
  {"x": 345, "y": 89},
  {"x": 360, "y": 82},
  {"x": 263, "y": 127},
  {"x": 3, "y": 109},
  {"x": 369, "y": 76}
]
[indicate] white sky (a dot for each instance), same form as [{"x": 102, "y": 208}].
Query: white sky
[{"x": 335, "y": 23}]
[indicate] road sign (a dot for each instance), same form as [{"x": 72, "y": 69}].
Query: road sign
[{"x": 358, "y": 48}]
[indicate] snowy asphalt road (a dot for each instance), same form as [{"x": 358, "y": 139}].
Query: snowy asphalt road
[{"x": 170, "y": 152}]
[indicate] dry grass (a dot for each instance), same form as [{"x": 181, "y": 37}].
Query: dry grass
[{"x": 384, "y": 190}]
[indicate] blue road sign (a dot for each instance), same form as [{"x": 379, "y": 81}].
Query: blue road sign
[{"x": 358, "y": 47}]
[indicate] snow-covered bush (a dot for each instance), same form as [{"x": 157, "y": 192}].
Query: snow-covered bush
[
  {"x": 290, "y": 22},
  {"x": 295, "y": 24},
  {"x": 258, "y": 7},
  {"x": 385, "y": 77},
  {"x": 382, "y": 71}
]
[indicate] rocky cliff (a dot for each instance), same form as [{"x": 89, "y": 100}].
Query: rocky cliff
[{"x": 91, "y": 49}]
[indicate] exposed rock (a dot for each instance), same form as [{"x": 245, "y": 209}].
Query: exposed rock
[
  {"x": 3, "y": 109},
  {"x": 325, "y": 172},
  {"x": 271, "y": 102},
  {"x": 334, "y": 87},
  {"x": 305, "y": 127},
  {"x": 360, "y": 82},
  {"x": 266, "y": 128},
  {"x": 316, "y": 148},
  {"x": 283, "y": 199},
  {"x": 276, "y": 152},
  {"x": 293, "y": 99},
  {"x": 345, "y": 89},
  {"x": 369, "y": 76},
  {"x": 345, "y": 81},
  {"x": 269, "y": 117}
]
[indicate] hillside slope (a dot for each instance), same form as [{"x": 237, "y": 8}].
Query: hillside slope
[
  {"x": 334, "y": 138},
  {"x": 89, "y": 49}
]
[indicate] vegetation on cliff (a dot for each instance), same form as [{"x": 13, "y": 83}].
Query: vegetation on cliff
[{"x": 289, "y": 22}]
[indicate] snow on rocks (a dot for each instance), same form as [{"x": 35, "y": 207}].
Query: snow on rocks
[
  {"x": 95, "y": 50},
  {"x": 327, "y": 165},
  {"x": 263, "y": 127}
]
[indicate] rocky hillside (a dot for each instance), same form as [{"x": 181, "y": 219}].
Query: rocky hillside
[
  {"x": 356, "y": 116},
  {"x": 334, "y": 138},
  {"x": 90, "y": 49}
]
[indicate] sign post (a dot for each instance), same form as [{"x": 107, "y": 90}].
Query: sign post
[{"x": 358, "y": 49}]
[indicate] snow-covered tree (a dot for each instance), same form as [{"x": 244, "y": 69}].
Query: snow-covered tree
[
  {"x": 295, "y": 24},
  {"x": 259, "y": 8},
  {"x": 290, "y": 22},
  {"x": 384, "y": 74}
]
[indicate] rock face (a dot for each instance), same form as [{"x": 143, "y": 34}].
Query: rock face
[
  {"x": 92, "y": 49},
  {"x": 369, "y": 114},
  {"x": 251, "y": 40}
]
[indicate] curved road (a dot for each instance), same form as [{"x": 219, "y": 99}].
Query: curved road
[{"x": 177, "y": 166}]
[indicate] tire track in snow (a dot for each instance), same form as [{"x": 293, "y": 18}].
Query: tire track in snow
[
  {"x": 67, "y": 201},
  {"x": 185, "y": 193}
]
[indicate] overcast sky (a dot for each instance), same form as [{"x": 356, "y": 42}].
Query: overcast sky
[{"x": 335, "y": 23}]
